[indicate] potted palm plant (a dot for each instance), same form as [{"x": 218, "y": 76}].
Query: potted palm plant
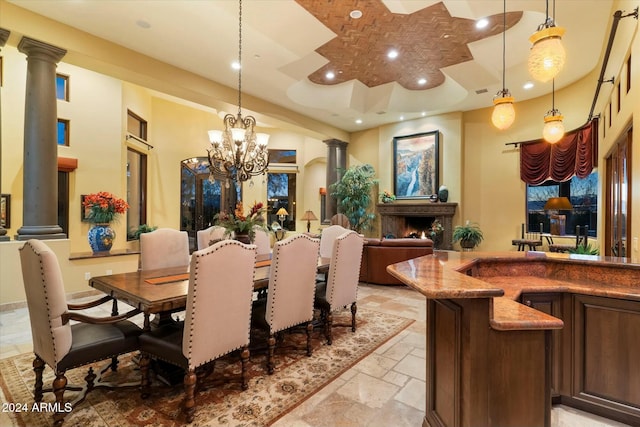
[{"x": 469, "y": 235}]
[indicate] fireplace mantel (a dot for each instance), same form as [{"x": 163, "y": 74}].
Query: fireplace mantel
[{"x": 393, "y": 217}]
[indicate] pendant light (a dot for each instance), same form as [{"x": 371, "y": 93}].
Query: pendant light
[
  {"x": 553, "y": 130},
  {"x": 547, "y": 55},
  {"x": 503, "y": 112},
  {"x": 238, "y": 152}
]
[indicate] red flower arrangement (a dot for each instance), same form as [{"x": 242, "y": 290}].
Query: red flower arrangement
[
  {"x": 239, "y": 223},
  {"x": 103, "y": 207}
]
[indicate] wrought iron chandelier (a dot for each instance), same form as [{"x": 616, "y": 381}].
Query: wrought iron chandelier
[{"x": 238, "y": 152}]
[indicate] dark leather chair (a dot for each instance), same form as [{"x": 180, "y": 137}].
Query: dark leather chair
[
  {"x": 377, "y": 254},
  {"x": 61, "y": 345}
]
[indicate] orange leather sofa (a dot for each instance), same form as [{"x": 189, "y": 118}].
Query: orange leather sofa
[{"x": 377, "y": 254}]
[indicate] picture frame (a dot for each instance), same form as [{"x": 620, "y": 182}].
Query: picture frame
[
  {"x": 84, "y": 212},
  {"x": 416, "y": 165},
  {"x": 5, "y": 210}
]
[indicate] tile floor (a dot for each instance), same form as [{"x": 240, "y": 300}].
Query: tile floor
[{"x": 385, "y": 389}]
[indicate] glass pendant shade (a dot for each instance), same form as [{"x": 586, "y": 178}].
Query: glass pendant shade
[
  {"x": 553, "y": 130},
  {"x": 547, "y": 56},
  {"x": 504, "y": 113}
]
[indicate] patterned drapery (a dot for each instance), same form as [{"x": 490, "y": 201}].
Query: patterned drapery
[{"x": 575, "y": 154}]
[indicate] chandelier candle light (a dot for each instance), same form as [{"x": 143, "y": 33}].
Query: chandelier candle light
[
  {"x": 238, "y": 152},
  {"x": 547, "y": 55},
  {"x": 503, "y": 114}
]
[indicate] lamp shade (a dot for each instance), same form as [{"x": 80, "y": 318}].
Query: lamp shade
[
  {"x": 309, "y": 216},
  {"x": 503, "y": 113},
  {"x": 558, "y": 204},
  {"x": 547, "y": 55},
  {"x": 282, "y": 212}
]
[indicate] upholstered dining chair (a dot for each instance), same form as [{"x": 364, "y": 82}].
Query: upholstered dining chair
[
  {"x": 328, "y": 237},
  {"x": 164, "y": 248},
  {"x": 262, "y": 242},
  {"x": 61, "y": 345},
  {"x": 217, "y": 321},
  {"x": 341, "y": 286},
  {"x": 289, "y": 301},
  {"x": 214, "y": 234}
]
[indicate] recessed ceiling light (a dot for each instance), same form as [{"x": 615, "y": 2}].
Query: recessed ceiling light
[
  {"x": 142, "y": 23},
  {"x": 235, "y": 65},
  {"x": 422, "y": 81},
  {"x": 527, "y": 85},
  {"x": 392, "y": 54},
  {"x": 355, "y": 14},
  {"x": 330, "y": 75},
  {"x": 359, "y": 121},
  {"x": 482, "y": 23},
  {"x": 424, "y": 113},
  {"x": 401, "y": 118}
]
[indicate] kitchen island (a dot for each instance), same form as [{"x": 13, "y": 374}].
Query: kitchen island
[{"x": 509, "y": 333}]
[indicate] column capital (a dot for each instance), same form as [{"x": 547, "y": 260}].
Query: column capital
[
  {"x": 36, "y": 49},
  {"x": 332, "y": 142}
]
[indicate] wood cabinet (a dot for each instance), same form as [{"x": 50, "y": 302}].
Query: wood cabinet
[
  {"x": 595, "y": 358},
  {"x": 552, "y": 304}
]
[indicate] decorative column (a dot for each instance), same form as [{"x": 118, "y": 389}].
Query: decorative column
[
  {"x": 4, "y": 35},
  {"x": 40, "y": 181},
  {"x": 336, "y": 162}
]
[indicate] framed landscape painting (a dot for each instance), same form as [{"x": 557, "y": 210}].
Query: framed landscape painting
[{"x": 415, "y": 165}]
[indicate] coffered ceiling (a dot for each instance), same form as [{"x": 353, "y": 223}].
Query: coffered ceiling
[{"x": 443, "y": 64}]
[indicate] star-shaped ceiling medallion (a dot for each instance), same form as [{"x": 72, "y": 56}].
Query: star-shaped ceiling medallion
[{"x": 427, "y": 41}]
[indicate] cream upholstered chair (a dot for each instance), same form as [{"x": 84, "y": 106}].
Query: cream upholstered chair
[
  {"x": 291, "y": 290},
  {"x": 164, "y": 248},
  {"x": 59, "y": 344},
  {"x": 214, "y": 234},
  {"x": 328, "y": 237},
  {"x": 262, "y": 242},
  {"x": 217, "y": 321},
  {"x": 341, "y": 286}
]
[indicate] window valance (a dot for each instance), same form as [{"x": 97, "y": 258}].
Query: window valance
[{"x": 575, "y": 154}]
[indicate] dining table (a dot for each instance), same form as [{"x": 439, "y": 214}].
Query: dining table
[{"x": 164, "y": 291}]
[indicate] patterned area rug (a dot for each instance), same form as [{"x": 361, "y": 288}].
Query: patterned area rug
[{"x": 268, "y": 398}]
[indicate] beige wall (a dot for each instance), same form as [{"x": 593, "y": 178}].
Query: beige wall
[{"x": 481, "y": 172}]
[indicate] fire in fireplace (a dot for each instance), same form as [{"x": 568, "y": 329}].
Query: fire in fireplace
[{"x": 418, "y": 227}]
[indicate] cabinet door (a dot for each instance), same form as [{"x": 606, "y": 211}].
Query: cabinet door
[
  {"x": 606, "y": 371},
  {"x": 550, "y": 304}
]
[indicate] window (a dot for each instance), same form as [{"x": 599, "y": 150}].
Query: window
[
  {"x": 619, "y": 97},
  {"x": 62, "y": 87},
  {"x": 63, "y": 132},
  {"x": 282, "y": 156},
  {"x": 136, "y": 126},
  {"x": 136, "y": 190},
  {"x": 63, "y": 201},
  {"x": 583, "y": 195},
  {"x": 629, "y": 74},
  {"x": 281, "y": 193}
]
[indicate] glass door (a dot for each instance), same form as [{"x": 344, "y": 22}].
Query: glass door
[{"x": 618, "y": 218}]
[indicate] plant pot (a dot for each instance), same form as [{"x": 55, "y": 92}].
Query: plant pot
[
  {"x": 467, "y": 244},
  {"x": 101, "y": 237},
  {"x": 243, "y": 238}
]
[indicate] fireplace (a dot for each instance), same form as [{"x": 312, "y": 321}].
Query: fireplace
[{"x": 400, "y": 219}]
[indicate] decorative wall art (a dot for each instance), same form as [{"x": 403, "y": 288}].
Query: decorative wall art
[{"x": 416, "y": 165}]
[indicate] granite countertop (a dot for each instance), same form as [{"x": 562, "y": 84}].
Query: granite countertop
[{"x": 445, "y": 275}]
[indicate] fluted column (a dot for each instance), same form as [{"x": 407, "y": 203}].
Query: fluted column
[
  {"x": 4, "y": 35},
  {"x": 40, "y": 180},
  {"x": 336, "y": 162}
]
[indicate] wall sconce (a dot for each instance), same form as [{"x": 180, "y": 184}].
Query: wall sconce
[
  {"x": 323, "y": 191},
  {"x": 309, "y": 216}
]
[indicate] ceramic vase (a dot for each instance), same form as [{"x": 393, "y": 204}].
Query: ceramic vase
[
  {"x": 101, "y": 237},
  {"x": 443, "y": 193}
]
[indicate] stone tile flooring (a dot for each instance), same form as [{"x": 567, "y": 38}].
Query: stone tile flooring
[{"x": 387, "y": 388}]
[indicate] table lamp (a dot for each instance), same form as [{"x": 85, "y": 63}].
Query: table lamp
[
  {"x": 557, "y": 221},
  {"x": 309, "y": 216},
  {"x": 282, "y": 213}
]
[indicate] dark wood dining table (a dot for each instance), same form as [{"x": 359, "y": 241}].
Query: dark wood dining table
[{"x": 164, "y": 291}]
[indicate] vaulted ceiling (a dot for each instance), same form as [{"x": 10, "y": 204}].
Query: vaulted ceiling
[{"x": 290, "y": 46}]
